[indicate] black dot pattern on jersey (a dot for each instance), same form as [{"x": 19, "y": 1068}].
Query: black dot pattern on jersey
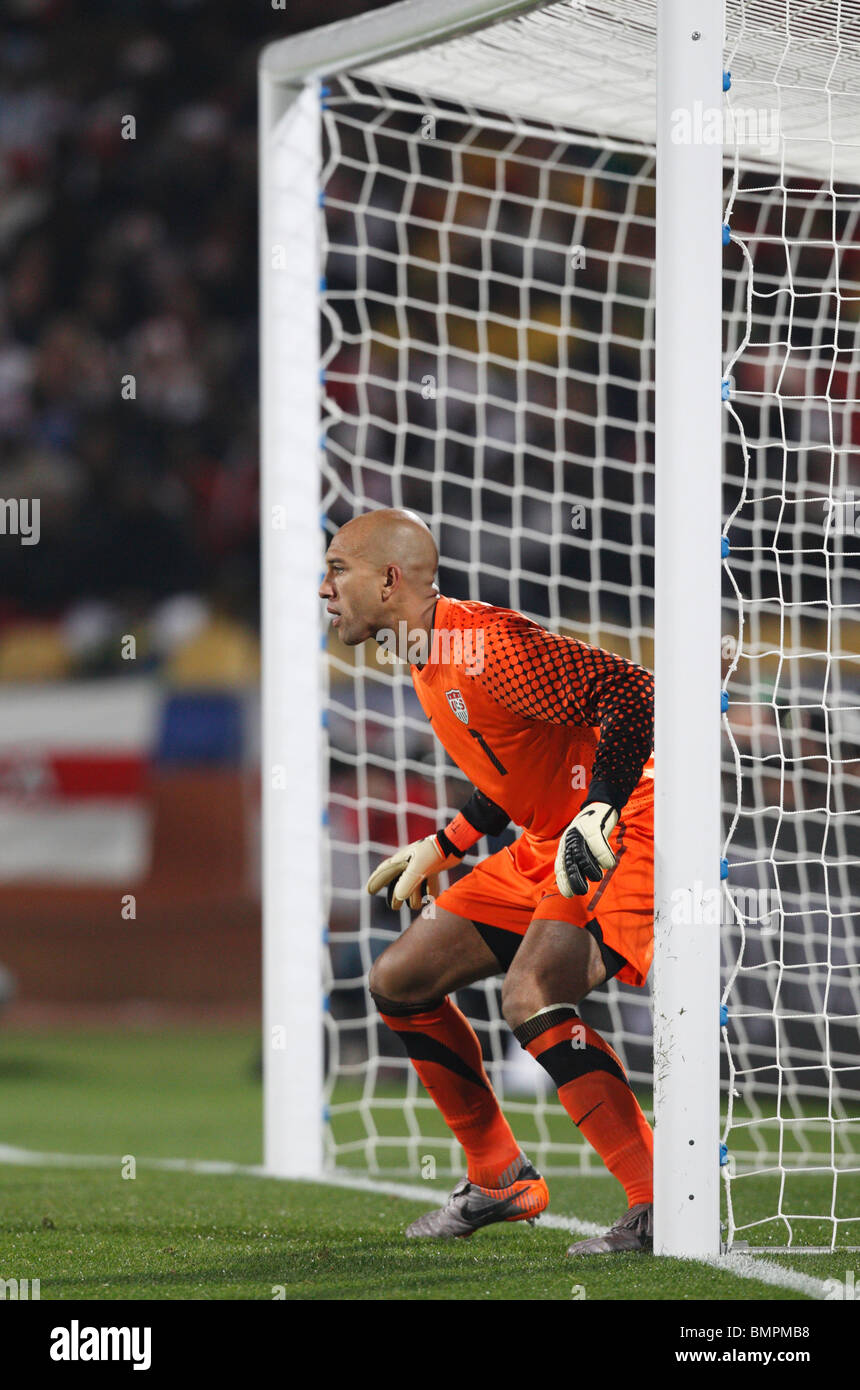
[{"x": 560, "y": 680}]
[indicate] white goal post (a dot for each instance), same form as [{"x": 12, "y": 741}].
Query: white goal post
[
  {"x": 559, "y": 133},
  {"x": 687, "y": 637}
]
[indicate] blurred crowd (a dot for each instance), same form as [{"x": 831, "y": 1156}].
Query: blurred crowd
[
  {"x": 128, "y": 345},
  {"x": 128, "y": 325}
]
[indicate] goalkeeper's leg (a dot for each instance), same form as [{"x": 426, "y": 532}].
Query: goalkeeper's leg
[
  {"x": 556, "y": 966},
  {"x": 410, "y": 983}
]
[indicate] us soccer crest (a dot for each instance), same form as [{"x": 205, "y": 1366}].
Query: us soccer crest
[{"x": 458, "y": 705}]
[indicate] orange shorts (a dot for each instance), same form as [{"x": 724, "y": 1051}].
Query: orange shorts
[{"x": 517, "y": 886}]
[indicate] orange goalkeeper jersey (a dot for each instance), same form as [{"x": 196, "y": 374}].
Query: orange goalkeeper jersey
[{"x": 535, "y": 721}]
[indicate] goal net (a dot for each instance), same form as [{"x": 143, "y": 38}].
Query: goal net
[
  {"x": 791, "y": 647},
  {"x": 487, "y": 359}
]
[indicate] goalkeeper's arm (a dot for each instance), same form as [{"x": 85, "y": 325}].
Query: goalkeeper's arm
[
  {"x": 584, "y": 852},
  {"x": 559, "y": 680},
  {"x": 405, "y": 873}
]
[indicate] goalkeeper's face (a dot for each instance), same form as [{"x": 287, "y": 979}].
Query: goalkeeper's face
[
  {"x": 351, "y": 588},
  {"x": 379, "y": 572}
]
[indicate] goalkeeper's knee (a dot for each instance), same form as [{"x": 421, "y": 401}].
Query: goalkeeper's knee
[
  {"x": 397, "y": 991},
  {"x": 395, "y": 1008}
]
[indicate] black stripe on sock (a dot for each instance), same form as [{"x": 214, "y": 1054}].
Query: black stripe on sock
[
  {"x": 565, "y": 1063},
  {"x": 421, "y": 1047},
  {"x": 542, "y": 1022}
]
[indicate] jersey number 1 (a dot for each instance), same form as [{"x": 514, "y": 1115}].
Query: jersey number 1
[{"x": 489, "y": 752}]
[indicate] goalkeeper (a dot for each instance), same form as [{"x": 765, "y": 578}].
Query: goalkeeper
[{"x": 556, "y": 736}]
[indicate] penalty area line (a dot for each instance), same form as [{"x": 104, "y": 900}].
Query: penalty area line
[{"x": 740, "y": 1265}]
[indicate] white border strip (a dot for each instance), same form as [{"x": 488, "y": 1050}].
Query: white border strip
[{"x": 741, "y": 1265}]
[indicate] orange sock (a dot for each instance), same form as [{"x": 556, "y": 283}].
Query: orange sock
[
  {"x": 596, "y": 1094},
  {"x": 446, "y": 1054}
]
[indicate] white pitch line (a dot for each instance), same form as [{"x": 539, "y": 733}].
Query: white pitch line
[
  {"x": 36, "y": 1159},
  {"x": 781, "y": 1276},
  {"x": 33, "y": 1158},
  {"x": 740, "y": 1265}
]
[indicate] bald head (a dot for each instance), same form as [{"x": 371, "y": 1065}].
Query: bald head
[
  {"x": 380, "y": 570},
  {"x": 393, "y": 536}
]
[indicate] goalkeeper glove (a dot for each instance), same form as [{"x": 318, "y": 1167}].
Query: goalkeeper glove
[
  {"x": 583, "y": 850},
  {"x": 407, "y": 872},
  {"x": 412, "y": 871}
]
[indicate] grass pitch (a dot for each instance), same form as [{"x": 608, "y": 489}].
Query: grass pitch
[
  {"x": 91, "y": 1235},
  {"x": 90, "y": 1232}
]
